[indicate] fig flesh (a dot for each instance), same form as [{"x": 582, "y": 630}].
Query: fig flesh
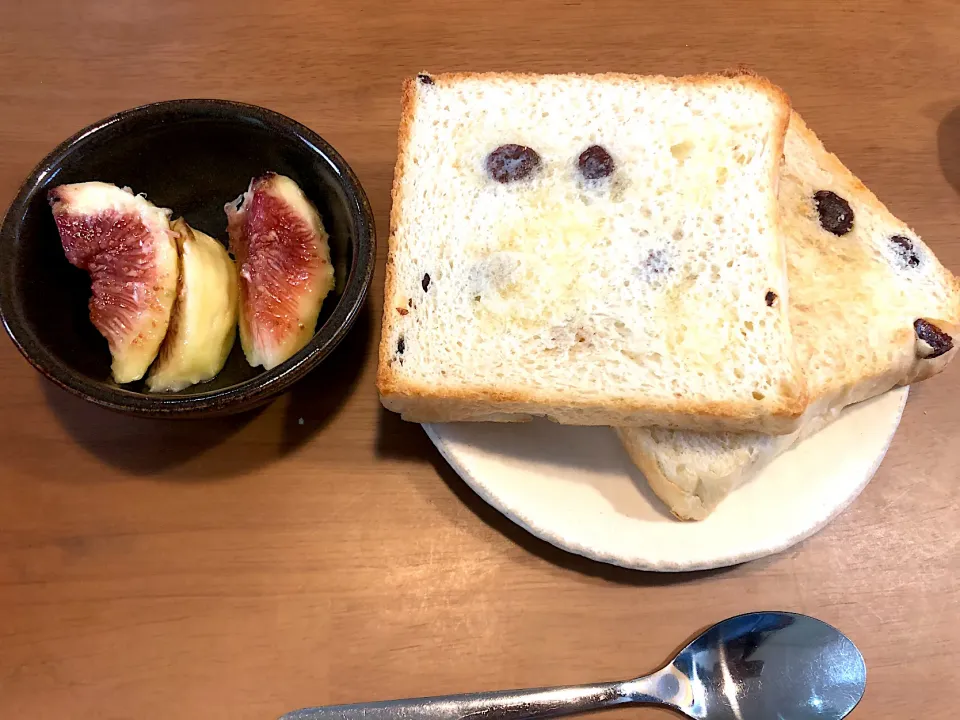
[
  {"x": 203, "y": 325},
  {"x": 283, "y": 256},
  {"x": 126, "y": 245}
]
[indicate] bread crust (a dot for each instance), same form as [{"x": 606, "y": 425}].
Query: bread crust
[
  {"x": 418, "y": 402},
  {"x": 421, "y": 403},
  {"x": 386, "y": 379},
  {"x": 684, "y": 504}
]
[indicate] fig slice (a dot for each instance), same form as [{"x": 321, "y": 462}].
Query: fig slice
[
  {"x": 126, "y": 245},
  {"x": 203, "y": 325},
  {"x": 283, "y": 255}
]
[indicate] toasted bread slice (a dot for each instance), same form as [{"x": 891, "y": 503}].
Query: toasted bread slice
[
  {"x": 594, "y": 249},
  {"x": 871, "y": 309}
]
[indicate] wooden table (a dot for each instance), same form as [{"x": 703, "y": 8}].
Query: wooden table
[{"x": 320, "y": 550}]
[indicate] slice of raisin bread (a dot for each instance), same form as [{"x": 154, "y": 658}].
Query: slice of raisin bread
[
  {"x": 594, "y": 249},
  {"x": 871, "y": 309}
]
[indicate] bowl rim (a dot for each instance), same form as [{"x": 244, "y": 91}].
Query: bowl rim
[{"x": 241, "y": 396}]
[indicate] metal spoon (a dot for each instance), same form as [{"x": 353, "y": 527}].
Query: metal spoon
[{"x": 759, "y": 666}]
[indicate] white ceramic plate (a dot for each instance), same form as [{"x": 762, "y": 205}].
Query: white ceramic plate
[{"x": 575, "y": 487}]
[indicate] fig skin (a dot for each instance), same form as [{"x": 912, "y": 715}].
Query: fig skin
[
  {"x": 203, "y": 325},
  {"x": 126, "y": 245},
  {"x": 283, "y": 257}
]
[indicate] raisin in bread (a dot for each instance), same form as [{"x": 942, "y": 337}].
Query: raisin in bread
[
  {"x": 871, "y": 308},
  {"x": 594, "y": 249}
]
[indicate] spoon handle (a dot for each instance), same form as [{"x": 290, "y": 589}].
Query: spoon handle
[{"x": 507, "y": 705}]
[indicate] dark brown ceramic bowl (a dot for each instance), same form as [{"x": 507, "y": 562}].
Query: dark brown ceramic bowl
[{"x": 192, "y": 156}]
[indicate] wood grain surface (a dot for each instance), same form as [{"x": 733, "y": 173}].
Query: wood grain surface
[{"x": 244, "y": 567}]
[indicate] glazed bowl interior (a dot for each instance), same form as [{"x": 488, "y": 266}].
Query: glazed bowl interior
[{"x": 193, "y": 157}]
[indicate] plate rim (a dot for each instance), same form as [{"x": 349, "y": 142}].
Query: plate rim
[{"x": 552, "y": 537}]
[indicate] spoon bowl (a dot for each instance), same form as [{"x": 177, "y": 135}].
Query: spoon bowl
[{"x": 768, "y": 665}]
